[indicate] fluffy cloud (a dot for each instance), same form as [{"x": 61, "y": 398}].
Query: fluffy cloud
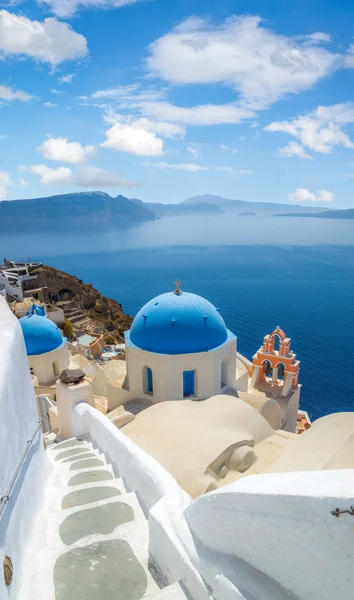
[
  {"x": 195, "y": 168},
  {"x": 49, "y": 41},
  {"x": 5, "y": 182},
  {"x": 49, "y": 105},
  {"x": 134, "y": 139},
  {"x": 207, "y": 114},
  {"x": 294, "y": 149},
  {"x": 84, "y": 176},
  {"x": 66, "y": 78},
  {"x": 7, "y": 93},
  {"x": 303, "y": 195},
  {"x": 241, "y": 52},
  {"x": 60, "y": 150},
  {"x": 67, "y": 8},
  {"x": 162, "y": 128},
  {"x": 151, "y": 102},
  {"x": 321, "y": 129}
]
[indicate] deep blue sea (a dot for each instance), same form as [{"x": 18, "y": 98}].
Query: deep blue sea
[{"x": 295, "y": 273}]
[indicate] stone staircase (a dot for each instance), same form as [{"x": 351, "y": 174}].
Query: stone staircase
[
  {"x": 76, "y": 315},
  {"x": 94, "y": 539}
]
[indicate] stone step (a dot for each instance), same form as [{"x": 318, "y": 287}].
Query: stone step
[
  {"x": 73, "y": 312},
  {"x": 97, "y": 519},
  {"x": 79, "y": 319},
  {"x": 103, "y": 570},
  {"x": 114, "y": 482},
  {"x": 70, "y": 443},
  {"x": 171, "y": 592}
]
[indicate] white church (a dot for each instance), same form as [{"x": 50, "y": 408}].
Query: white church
[{"x": 195, "y": 485}]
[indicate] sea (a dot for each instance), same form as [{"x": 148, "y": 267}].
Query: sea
[{"x": 297, "y": 273}]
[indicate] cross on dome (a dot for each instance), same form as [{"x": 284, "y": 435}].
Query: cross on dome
[{"x": 178, "y": 290}]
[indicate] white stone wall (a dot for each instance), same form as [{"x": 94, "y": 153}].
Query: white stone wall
[
  {"x": 11, "y": 288},
  {"x": 57, "y": 315},
  {"x": 18, "y": 422},
  {"x": 168, "y": 372},
  {"x": 42, "y": 365}
]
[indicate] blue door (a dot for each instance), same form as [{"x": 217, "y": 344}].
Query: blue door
[
  {"x": 150, "y": 383},
  {"x": 188, "y": 383}
]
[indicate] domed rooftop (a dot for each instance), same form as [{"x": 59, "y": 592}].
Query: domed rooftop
[
  {"x": 178, "y": 323},
  {"x": 41, "y": 335}
]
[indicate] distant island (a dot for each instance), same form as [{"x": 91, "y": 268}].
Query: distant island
[
  {"x": 329, "y": 214},
  {"x": 102, "y": 211}
]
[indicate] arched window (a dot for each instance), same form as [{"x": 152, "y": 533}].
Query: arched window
[
  {"x": 224, "y": 372},
  {"x": 148, "y": 381},
  {"x": 281, "y": 371},
  {"x": 268, "y": 369},
  {"x": 276, "y": 339},
  {"x": 188, "y": 383},
  {"x": 55, "y": 368}
]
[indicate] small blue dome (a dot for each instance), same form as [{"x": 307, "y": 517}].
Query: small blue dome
[
  {"x": 178, "y": 324},
  {"x": 41, "y": 335}
]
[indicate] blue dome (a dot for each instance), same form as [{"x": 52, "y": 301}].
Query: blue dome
[
  {"x": 41, "y": 335},
  {"x": 178, "y": 324}
]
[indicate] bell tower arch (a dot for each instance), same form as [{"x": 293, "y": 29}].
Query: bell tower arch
[{"x": 277, "y": 366}]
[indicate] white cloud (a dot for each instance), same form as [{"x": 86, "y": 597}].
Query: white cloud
[
  {"x": 49, "y": 41},
  {"x": 133, "y": 139},
  {"x": 325, "y": 196},
  {"x": 49, "y": 176},
  {"x": 83, "y": 176},
  {"x": 129, "y": 95},
  {"x": 23, "y": 183},
  {"x": 178, "y": 167},
  {"x": 167, "y": 130},
  {"x": 66, "y": 78},
  {"x": 7, "y": 93},
  {"x": 95, "y": 177},
  {"x": 5, "y": 182},
  {"x": 68, "y": 8},
  {"x": 58, "y": 92},
  {"x": 241, "y": 52},
  {"x": 194, "y": 150},
  {"x": 294, "y": 149},
  {"x": 304, "y": 195},
  {"x": 349, "y": 59},
  {"x": 60, "y": 150},
  {"x": 194, "y": 168},
  {"x": 49, "y": 105},
  {"x": 321, "y": 129},
  {"x": 233, "y": 150},
  {"x": 207, "y": 114}
]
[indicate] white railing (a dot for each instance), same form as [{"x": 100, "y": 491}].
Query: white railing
[{"x": 141, "y": 473}]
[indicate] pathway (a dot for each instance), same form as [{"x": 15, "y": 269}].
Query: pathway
[{"x": 93, "y": 538}]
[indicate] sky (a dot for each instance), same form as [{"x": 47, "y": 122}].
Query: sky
[{"x": 165, "y": 99}]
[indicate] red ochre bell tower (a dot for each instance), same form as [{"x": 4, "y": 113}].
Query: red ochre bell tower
[{"x": 278, "y": 367}]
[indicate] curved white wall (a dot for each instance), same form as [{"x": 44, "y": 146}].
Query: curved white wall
[
  {"x": 18, "y": 422},
  {"x": 167, "y": 371},
  {"x": 43, "y": 365}
]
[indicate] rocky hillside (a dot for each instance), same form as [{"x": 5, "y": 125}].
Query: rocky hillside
[
  {"x": 105, "y": 314},
  {"x": 72, "y": 211}
]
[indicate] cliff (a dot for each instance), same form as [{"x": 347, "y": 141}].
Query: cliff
[
  {"x": 106, "y": 315},
  {"x": 72, "y": 211}
]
